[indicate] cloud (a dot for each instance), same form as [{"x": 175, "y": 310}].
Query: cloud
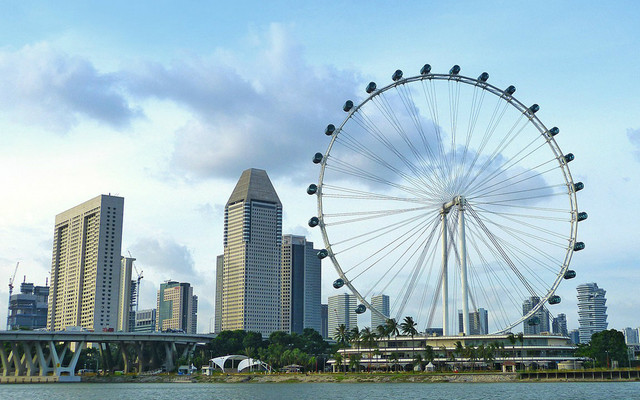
[
  {"x": 634, "y": 138},
  {"x": 164, "y": 258},
  {"x": 271, "y": 115},
  {"x": 42, "y": 86}
]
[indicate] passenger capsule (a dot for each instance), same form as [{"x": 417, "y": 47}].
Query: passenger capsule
[
  {"x": 371, "y": 87},
  {"x": 578, "y": 186},
  {"x": 578, "y": 246},
  {"x": 582, "y": 216},
  {"x": 455, "y": 70},
  {"x": 361, "y": 309},
  {"x": 425, "y": 70},
  {"x": 555, "y": 300},
  {"x": 330, "y": 129},
  {"x": 483, "y": 77},
  {"x": 570, "y": 274},
  {"x": 510, "y": 90},
  {"x": 533, "y": 321},
  {"x": 554, "y": 131},
  {"x": 313, "y": 222},
  {"x": 317, "y": 158},
  {"x": 338, "y": 283},
  {"x": 348, "y": 105},
  {"x": 569, "y": 157},
  {"x": 396, "y": 75},
  {"x": 312, "y": 189},
  {"x": 534, "y": 109},
  {"x": 323, "y": 254}
]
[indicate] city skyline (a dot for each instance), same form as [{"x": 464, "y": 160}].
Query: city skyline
[{"x": 256, "y": 89}]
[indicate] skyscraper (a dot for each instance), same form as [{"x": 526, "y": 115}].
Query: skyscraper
[
  {"x": 252, "y": 250},
  {"x": 631, "y": 335},
  {"x": 217, "y": 323},
  {"x": 342, "y": 310},
  {"x": 176, "y": 308},
  {"x": 539, "y": 321},
  {"x": 85, "y": 267},
  {"x": 559, "y": 325},
  {"x": 300, "y": 289},
  {"x": 126, "y": 297},
  {"x": 324, "y": 321},
  {"x": 380, "y": 303},
  {"x": 478, "y": 322},
  {"x": 592, "y": 312}
]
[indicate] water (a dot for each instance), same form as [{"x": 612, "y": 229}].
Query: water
[{"x": 320, "y": 391}]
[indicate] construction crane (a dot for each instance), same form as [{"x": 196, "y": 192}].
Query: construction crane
[
  {"x": 139, "y": 274},
  {"x": 11, "y": 280}
]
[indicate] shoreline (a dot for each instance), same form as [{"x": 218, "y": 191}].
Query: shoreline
[{"x": 498, "y": 377}]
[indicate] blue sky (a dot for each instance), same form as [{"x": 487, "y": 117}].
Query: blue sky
[{"x": 166, "y": 104}]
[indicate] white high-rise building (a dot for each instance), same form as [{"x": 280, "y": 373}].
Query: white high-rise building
[
  {"x": 85, "y": 267},
  {"x": 300, "y": 290},
  {"x": 342, "y": 310},
  {"x": 380, "y": 303},
  {"x": 252, "y": 250},
  {"x": 592, "y": 312}
]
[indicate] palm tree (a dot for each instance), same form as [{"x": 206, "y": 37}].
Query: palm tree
[
  {"x": 354, "y": 336},
  {"x": 458, "y": 350},
  {"x": 338, "y": 358},
  {"x": 429, "y": 355},
  {"x": 409, "y": 328},
  {"x": 520, "y": 337},
  {"x": 392, "y": 327},
  {"x": 381, "y": 330},
  {"x": 354, "y": 361},
  {"x": 395, "y": 358},
  {"x": 368, "y": 338},
  {"x": 342, "y": 335},
  {"x": 512, "y": 340},
  {"x": 470, "y": 353}
]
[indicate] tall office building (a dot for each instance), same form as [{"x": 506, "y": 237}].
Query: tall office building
[
  {"x": 300, "y": 289},
  {"x": 177, "y": 308},
  {"x": 538, "y": 322},
  {"x": 574, "y": 335},
  {"x": 126, "y": 297},
  {"x": 478, "y": 322},
  {"x": 342, "y": 310},
  {"x": 217, "y": 323},
  {"x": 380, "y": 303},
  {"x": 85, "y": 267},
  {"x": 592, "y": 312},
  {"x": 252, "y": 250},
  {"x": 28, "y": 309},
  {"x": 559, "y": 325},
  {"x": 324, "y": 321}
]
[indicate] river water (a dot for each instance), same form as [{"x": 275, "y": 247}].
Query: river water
[{"x": 319, "y": 391}]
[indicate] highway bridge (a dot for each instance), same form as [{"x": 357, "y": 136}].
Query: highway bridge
[{"x": 45, "y": 353}]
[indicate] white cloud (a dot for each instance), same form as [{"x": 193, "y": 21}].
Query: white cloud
[{"x": 45, "y": 87}]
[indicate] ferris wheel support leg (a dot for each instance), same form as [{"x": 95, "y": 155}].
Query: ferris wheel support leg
[
  {"x": 462, "y": 246},
  {"x": 445, "y": 283}
]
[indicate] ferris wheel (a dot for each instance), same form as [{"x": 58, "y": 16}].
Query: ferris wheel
[{"x": 448, "y": 195}]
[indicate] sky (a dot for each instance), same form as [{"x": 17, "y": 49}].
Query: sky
[{"x": 166, "y": 104}]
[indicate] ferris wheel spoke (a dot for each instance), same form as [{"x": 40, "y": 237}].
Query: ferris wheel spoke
[
  {"x": 517, "y": 180},
  {"x": 341, "y": 192}
]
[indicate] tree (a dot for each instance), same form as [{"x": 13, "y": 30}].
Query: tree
[
  {"x": 368, "y": 338},
  {"x": 458, "y": 351},
  {"x": 354, "y": 336},
  {"x": 342, "y": 335},
  {"x": 520, "y": 337},
  {"x": 606, "y": 346},
  {"x": 395, "y": 358},
  {"x": 429, "y": 354},
  {"x": 338, "y": 358},
  {"x": 408, "y": 327},
  {"x": 354, "y": 361},
  {"x": 392, "y": 327},
  {"x": 470, "y": 353}
]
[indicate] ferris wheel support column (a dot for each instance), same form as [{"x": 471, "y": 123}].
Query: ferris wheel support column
[
  {"x": 445, "y": 280},
  {"x": 462, "y": 246}
]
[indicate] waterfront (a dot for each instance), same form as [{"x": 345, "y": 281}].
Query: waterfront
[{"x": 333, "y": 391}]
